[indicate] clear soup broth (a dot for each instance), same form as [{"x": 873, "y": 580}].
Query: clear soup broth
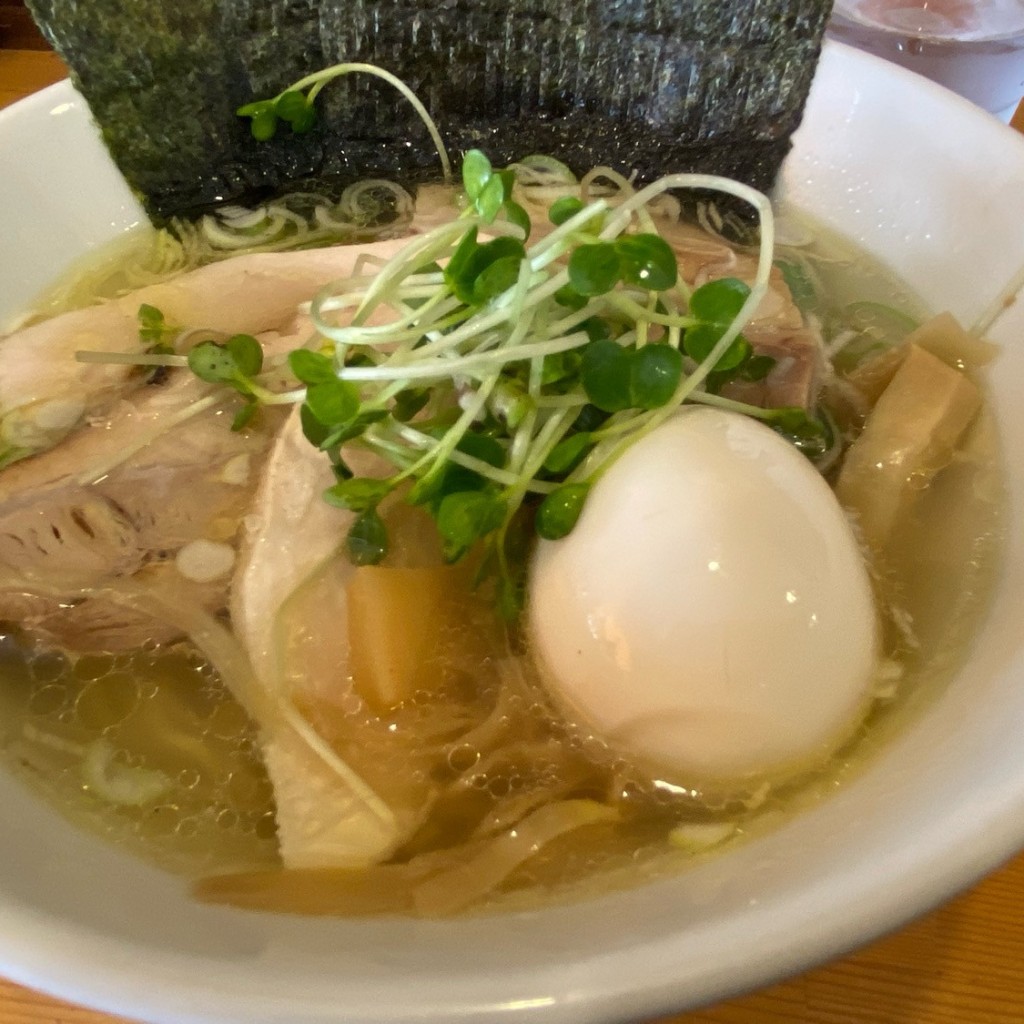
[{"x": 149, "y": 749}]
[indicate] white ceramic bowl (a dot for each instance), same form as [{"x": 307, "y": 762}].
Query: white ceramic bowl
[{"x": 916, "y": 176}]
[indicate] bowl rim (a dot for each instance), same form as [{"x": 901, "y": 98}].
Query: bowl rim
[{"x": 870, "y": 903}]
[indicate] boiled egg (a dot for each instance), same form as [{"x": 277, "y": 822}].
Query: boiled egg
[{"x": 711, "y": 614}]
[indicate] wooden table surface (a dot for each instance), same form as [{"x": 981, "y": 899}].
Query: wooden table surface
[{"x": 961, "y": 964}]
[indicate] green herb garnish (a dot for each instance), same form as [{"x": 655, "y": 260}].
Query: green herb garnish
[
  {"x": 511, "y": 374},
  {"x": 498, "y": 378}
]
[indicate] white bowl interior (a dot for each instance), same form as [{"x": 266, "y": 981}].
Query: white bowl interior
[
  {"x": 941, "y": 805},
  {"x": 62, "y": 196}
]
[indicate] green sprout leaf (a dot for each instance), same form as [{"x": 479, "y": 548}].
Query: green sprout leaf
[
  {"x": 756, "y": 367},
  {"x": 568, "y": 453},
  {"x": 427, "y": 490},
  {"x": 151, "y": 317},
  {"x": 617, "y": 378},
  {"x": 470, "y": 261},
  {"x": 408, "y": 403},
  {"x": 810, "y": 435},
  {"x": 488, "y": 191},
  {"x": 301, "y": 125},
  {"x": 332, "y": 402},
  {"x": 511, "y": 598},
  {"x": 648, "y": 261},
  {"x": 594, "y": 269},
  {"x": 570, "y": 298},
  {"x": 590, "y": 418},
  {"x": 254, "y": 108},
  {"x": 509, "y": 403},
  {"x": 151, "y": 324},
  {"x": 358, "y": 494},
  {"x": 496, "y": 278},
  {"x": 263, "y": 123},
  {"x": 264, "y": 126},
  {"x": 314, "y": 431},
  {"x": 491, "y": 199},
  {"x": 598, "y": 327},
  {"x": 311, "y": 367},
  {"x": 456, "y": 273},
  {"x": 515, "y": 214},
  {"x": 352, "y": 428},
  {"x": 291, "y": 105},
  {"x": 455, "y": 478},
  {"x": 155, "y": 335},
  {"x": 561, "y": 367},
  {"x": 655, "y": 372},
  {"x": 700, "y": 340},
  {"x": 465, "y": 517},
  {"x": 560, "y": 510},
  {"x": 605, "y": 373},
  {"x": 246, "y": 352},
  {"x": 476, "y": 172},
  {"x": 483, "y": 447},
  {"x": 719, "y": 302},
  {"x": 244, "y": 416},
  {"x": 564, "y": 209},
  {"x": 212, "y": 363},
  {"x": 233, "y": 363},
  {"x": 800, "y": 285},
  {"x": 450, "y": 478},
  {"x": 367, "y": 540}
]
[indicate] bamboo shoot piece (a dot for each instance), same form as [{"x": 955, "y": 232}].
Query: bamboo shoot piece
[
  {"x": 943, "y": 337},
  {"x": 908, "y": 438},
  {"x": 398, "y": 620}
]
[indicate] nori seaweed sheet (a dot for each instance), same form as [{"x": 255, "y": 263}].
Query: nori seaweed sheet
[{"x": 652, "y": 86}]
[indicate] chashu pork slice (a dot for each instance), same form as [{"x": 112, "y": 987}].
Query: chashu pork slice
[
  {"x": 124, "y": 482},
  {"x": 153, "y": 494},
  {"x": 777, "y": 328},
  {"x": 45, "y": 392},
  {"x": 328, "y": 815}
]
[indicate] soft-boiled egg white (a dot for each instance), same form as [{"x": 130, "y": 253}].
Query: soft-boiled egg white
[{"x": 711, "y": 613}]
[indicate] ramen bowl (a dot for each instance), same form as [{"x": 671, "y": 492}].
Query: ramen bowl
[{"x": 938, "y": 806}]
